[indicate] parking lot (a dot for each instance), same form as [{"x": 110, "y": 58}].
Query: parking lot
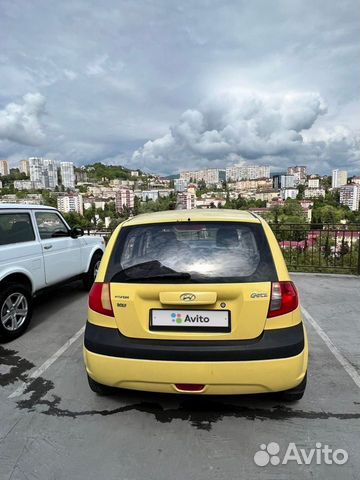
[{"x": 53, "y": 427}]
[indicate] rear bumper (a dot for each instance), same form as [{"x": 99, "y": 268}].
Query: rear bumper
[
  {"x": 219, "y": 376},
  {"x": 272, "y": 344}
]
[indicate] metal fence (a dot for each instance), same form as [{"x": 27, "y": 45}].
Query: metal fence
[
  {"x": 313, "y": 248},
  {"x": 320, "y": 248}
]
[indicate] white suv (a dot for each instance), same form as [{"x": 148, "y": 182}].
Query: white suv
[{"x": 38, "y": 249}]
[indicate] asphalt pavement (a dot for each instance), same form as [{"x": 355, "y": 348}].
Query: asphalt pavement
[{"x": 53, "y": 427}]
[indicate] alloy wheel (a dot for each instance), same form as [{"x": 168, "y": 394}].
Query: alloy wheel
[{"x": 14, "y": 311}]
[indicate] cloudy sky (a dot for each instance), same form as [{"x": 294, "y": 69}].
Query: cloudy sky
[{"x": 164, "y": 85}]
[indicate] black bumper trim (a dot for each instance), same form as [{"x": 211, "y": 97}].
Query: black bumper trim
[{"x": 272, "y": 344}]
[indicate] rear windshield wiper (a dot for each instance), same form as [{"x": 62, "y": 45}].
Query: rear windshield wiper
[
  {"x": 150, "y": 270},
  {"x": 180, "y": 275}
]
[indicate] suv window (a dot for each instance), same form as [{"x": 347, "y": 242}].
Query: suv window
[
  {"x": 206, "y": 252},
  {"x": 15, "y": 228},
  {"x": 50, "y": 225}
]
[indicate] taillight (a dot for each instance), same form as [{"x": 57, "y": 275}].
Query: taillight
[
  {"x": 284, "y": 298},
  {"x": 99, "y": 299}
]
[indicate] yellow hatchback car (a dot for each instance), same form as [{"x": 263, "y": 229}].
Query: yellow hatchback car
[{"x": 195, "y": 301}]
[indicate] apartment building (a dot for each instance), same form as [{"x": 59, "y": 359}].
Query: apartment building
[
  {"x": 186, "y": 201},
  {"x": 339, "y": 178},
  {"x": 211, "y": 176},
  {"x": 42, "y": 171},
  {"x": 125, "y": 198},
  {"x": 93, "y": 202},
  {"x": 36, "y": 168},
  {"x": 247, "y": 172},
  {"x": 314, "y": 183},
  {"x": 117, "y": 182},
  {"x": 299, "y": 172},
  {"x": 108, "y": 192},
  {"x": 50, "y": 173},
  {"x": 287, "y": 181},
  {"x": 314, "y": 192},
  {"x": 81, "y": 177},
  {"x": 258, "y": 184},
  {"x": 165, "y": 192},
  {"x": 180, "y": 185},
  {"x": 289, "y": 193},
  {"x": 350, "y": 196},
  {"x": 95, "y": 190},
  {"x": 276, "y": 179},
  {"x": 267, "y": 196},
  {"x": 71, "y": 203},
  {"x": 148, "y": 195},
  {"x": 4, "y": 168},
  {"x": 27, "y": 185},
  {"x": 67, "y": 174},
  {"x": 24, "y": 167},
  {"x": 212, "y": 202},
  {"x": 30, "y": 199}
]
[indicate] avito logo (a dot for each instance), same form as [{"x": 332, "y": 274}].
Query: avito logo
[
  {"x": 177, "y": 318},
  {"x": 196, "y": 319}
]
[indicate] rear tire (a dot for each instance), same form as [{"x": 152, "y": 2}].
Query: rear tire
[
  {"x": 98, "y": 388},
  {"x": 294, "y": 394},
  {"x": 90, "y": 275},
  {"x": 15, "y": 310}
]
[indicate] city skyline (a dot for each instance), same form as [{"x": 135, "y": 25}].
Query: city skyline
[
  {"x": 205, "y": 188},
  {"x": 181, "y": 86},
  {"x": 46, "y": 171}
]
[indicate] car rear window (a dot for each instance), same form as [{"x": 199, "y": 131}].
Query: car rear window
[
  {"x": 15, "y": 228},
  {"x": 189, "y": 252}
]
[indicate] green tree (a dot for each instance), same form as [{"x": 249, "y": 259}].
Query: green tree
[
  {"x": 301, "y": 189},
  {"x": 74, "y": 219},
  {"x": 330, "y": 214},
  {"x": 21, "y": 194},
  {"x": 82, "y": 188},
  {"x": 48, "y": 198}
]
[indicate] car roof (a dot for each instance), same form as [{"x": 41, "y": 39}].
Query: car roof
[
  {"x": 195, "y": 215},
  {"x": 24, "y": 206}
]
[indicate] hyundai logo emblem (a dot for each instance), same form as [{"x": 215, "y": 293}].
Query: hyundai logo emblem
[{"x": 187, "y": 297}]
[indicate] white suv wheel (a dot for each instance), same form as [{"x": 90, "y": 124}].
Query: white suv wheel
[{"x": 14, "y": 311}]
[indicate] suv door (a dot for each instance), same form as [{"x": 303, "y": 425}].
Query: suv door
[
  {"x": 19, "y": 248},
  {"x": 62, "y": 253}
]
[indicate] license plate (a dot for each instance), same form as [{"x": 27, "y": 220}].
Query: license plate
[{"x": 205, "y": 320}]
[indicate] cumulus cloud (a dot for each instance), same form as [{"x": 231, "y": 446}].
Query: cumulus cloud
[
  {"x": 335, "y": 147},
  {"x": 122, "y": 74},
  {"x": 21, "y": 122},
  {"x": 245, "y": 125}
]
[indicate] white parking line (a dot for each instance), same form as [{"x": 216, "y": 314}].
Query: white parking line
[
  {"x": 39, "y": 371},
  {"x": 350, "y": 370},
  {"x": 340, "y": 358}
]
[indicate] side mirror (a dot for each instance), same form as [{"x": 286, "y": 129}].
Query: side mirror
[{"x": 76, "y": 232}]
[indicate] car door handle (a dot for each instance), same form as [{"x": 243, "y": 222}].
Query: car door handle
[{"x": 47, "y": 247}]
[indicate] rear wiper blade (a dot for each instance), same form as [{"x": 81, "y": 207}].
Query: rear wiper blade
[
  {"x": 151, "y": 264},
  {"x": 175, "y": 275},
  {"x": 150, "y": 270}
]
